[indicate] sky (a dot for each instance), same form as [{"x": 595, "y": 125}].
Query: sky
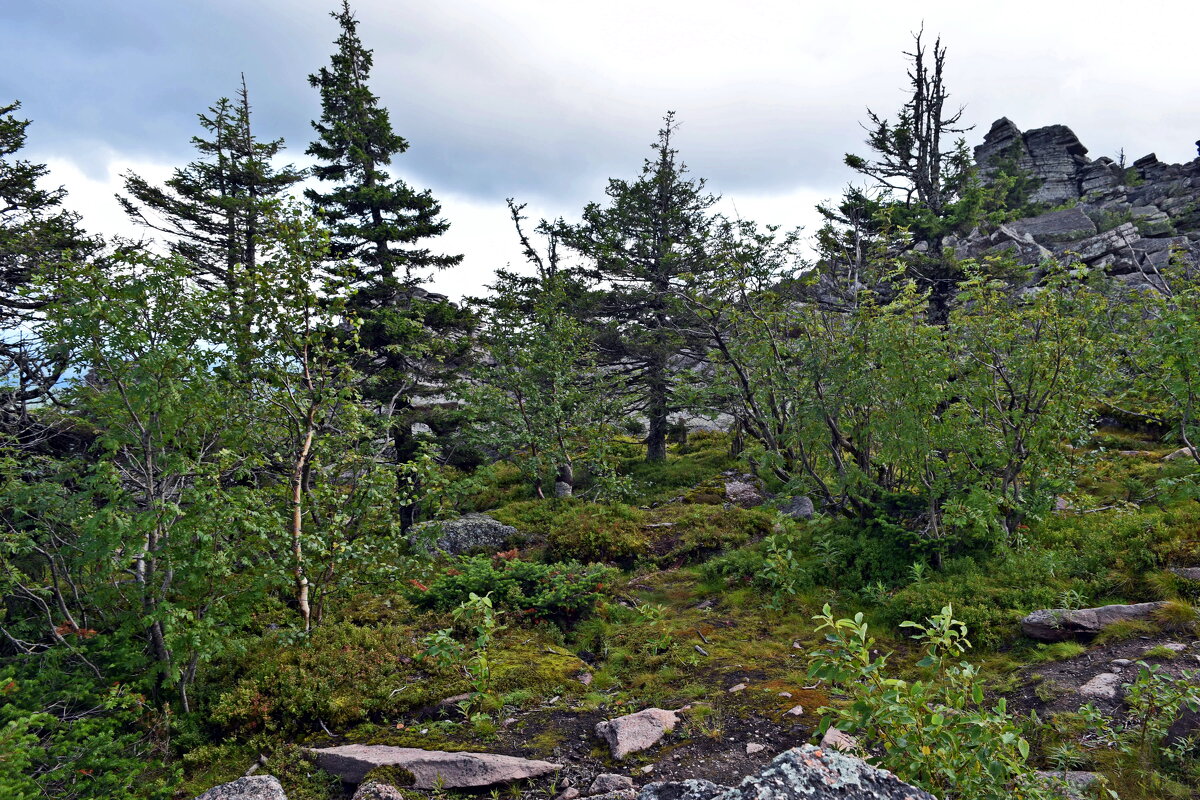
[{"x": 544, "y": 100}]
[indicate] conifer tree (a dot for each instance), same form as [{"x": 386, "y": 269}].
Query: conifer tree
[
  {"x": 411, "y": 339},
  {"x": 651, "y": 236},
  {"x": 213, "y": 208}
]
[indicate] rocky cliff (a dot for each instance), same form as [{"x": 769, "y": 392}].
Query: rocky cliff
[{"x": 1128, "y": 220}]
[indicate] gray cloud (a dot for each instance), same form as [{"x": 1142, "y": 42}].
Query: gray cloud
[{"x": 545, "y": 99}]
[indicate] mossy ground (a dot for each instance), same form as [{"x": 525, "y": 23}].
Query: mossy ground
[{"x": 674, "y": 634}]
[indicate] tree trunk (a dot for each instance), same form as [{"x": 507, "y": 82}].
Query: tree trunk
[{"x": 298, "y": 528}]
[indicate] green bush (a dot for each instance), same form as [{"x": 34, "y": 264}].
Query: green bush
[
  {"x": 936, "y": 732},
  {"x": 560, "y": 593},
  {"x": 578, "y": 530},
  {"x": 65, "y": 734}
]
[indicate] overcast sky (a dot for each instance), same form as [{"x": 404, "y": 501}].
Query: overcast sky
[{"x": 544, "y": 100}]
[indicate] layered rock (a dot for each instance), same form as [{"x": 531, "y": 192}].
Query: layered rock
[{"x": 1130, "y": 222}]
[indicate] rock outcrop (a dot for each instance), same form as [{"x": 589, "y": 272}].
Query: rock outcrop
[
  {"x": 429, "y": 768},
  {"x": 471, "y": 533},
  {"x": 1128, "y": 221},
  {"x": 1060, "y": 624},
  {"x": 256, "y": 787},
  {"x": 635, "y": 732},
  {"x": 803, "y": 773}
]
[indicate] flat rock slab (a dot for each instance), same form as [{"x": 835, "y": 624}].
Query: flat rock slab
[
  {"x": 256, "y": 787},
  {"x": 430, "y": 768},
  {"x": 1059, "y": 624},
  {"x": 1187, "y": 573},
  {"x": 803, "y": 773},
  {"x": 634, "y": 732}
]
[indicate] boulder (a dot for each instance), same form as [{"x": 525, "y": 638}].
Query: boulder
[
  {"x": 429, "y": 768},
  {"x": 799, "y": 507},
  {"x": 255, "y": 787},
  {"x": 635, "y": 732},
  {"x": 467, "y": 534},
  {"x": 1060, "y": 624},
  {"x": 803, "y": 773},
  {"x": 837, "y": 739},
  {"x": 610, "y": 782},
  {"x": 1176, "y": 455},
  {"x": 1187, "y": 573}
]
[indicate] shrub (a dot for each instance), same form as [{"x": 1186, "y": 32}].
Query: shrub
[
  {"x": 560, "y": 593},
  {"x": 578, "y": 530},
  {"x": 936, "y": 733}
]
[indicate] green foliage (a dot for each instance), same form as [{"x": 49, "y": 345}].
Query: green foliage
[
  {"x": 560, "y": 593},
  {"x": 539, "y": 398},
  {"x": 1154, "y": 701},
  {"x": 66, "y": 735},
  {"x": 478, "y": 614},
  {"x": 935, "y": 732}
]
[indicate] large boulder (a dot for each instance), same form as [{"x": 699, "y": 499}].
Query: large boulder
[
  {"x": 471, "y": 533},
  {"x": 635, "y": 732},
  {"x": 1060, "y": 624},
  {"x": 255, "y": 787},
  {"x": 803, "y": 773},
  {"x": 429, "y": 768}
]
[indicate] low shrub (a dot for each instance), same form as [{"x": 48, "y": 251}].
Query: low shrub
[{"x": 560, "y": 593}]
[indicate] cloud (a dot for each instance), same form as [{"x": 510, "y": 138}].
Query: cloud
[{"x": 545, "y": 100}]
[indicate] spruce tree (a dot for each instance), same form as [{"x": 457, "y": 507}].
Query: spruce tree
[
  {"x": 650, "y": 238},
  {"x": 212, "y": 209},
  {"x": 412, "y": 338}
]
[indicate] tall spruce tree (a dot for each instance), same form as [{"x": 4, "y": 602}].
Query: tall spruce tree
[
  {"x": 411, "y": 338},
  {"x": 212, "y": 209},
  {"x": 652, "y": 235}
]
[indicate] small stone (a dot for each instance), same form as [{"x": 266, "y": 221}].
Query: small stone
[
  {"x": 646, "y": 770},
  {"x": 797, "y": 646},
  {"x": 610, "y": 782},
  {"x": 785, "y": 694},
  {"x": 1120, "y": 662},
  {"x": 1177, "y": 647},
  {"x": 754, "y": 747},
  {"x": 737, "y": 688},
  {"x": 701, "y": 650},
  {"x": 1105, "y": 686},
  {"x": 569, "y": 794},
  {"x": 635, "y": 732},
  {"x": 585, "y": 678},
  {"x": 796, "y": 711}
]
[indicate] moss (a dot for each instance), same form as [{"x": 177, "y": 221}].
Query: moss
[
  {"x": 391, "y": 775},
  {"x": 1125, "y": 629}
]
